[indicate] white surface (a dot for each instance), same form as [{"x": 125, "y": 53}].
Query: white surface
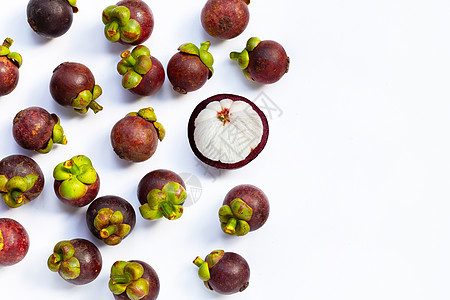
[{"x": 356, "y": 166}]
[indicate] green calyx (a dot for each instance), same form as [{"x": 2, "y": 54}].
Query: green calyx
[
  {"x": 63, "y": 261},
  {"x": 58, "y": 136},
  {"x": 133, "y": 65},
  {"x": 149, "y": 115},
  {"x": 73, "y": 3},
  {"x": 234, "y": 217},
  {"x": 13, "y": 190},
  {"x": 243, "y": 58},
  {"x": 14, "y": 57},
  {"x": 164, "y": 203},
  {"x": 127, "y": 277},
  {"x": 2, "y": 243},
  {"x": 202, "y": 52},
  {"x": 110, "y": 225},
  {"x": 86, "y": 99},
  {"x": 119, "y": 25},
  {"x": 204, "y": 265},
  {"x": 76, "y": 174}
]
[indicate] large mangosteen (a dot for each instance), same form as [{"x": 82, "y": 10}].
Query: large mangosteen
[
  {"x": 14, "y": 242},
  {"x": 10, "y": 63}
]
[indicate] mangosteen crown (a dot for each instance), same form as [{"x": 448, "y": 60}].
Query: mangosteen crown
[
  {"x": 234, "y": 217},
  {"x": 119, "y": 25},
  {"x": 126, "y": 277},
  {"x": 14, "y": 57},
  {"x": 110, "y": 225},
  {"x": 133, "y": 65},
  {"x": 243, "y": 57},
  {"x": 13, "y": 189},
  {"x": 202, "y": 52},
  {"x": 149, "y": 115},
  {"x": 63, "y": 261},
  {"x": 210, "y": 261},
  {"x": 57, "y": 137}
]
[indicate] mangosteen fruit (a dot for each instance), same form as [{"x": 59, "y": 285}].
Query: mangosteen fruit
[
  {"x": 262, "y": 61},
  {"x": 190, "y": 68},
  {"x": 10, "y": 63},
  {"x": 51, "y": 18},
  {"x": 135, "y": 137},
  {"x": 77, "y": 261},
  {"x": 76, "y": 181},
  {"x": 143, "y": 74},
  {"x": 110, "y": 219},
  {"x": 245, "y": 208},
  {"x": 134, "y": 279},
  {"x": 14, "y": 242},
  {"x": 36, "y": 129},
  {"x": 129, "y": 22},
  {"x": 227, "y": 131},
  {"x": 224, "y": 272},
  {"x": 161, "y": 194},
  {"x": 73, "y": 85},
  {"x": 21, "y": 180},
  {"x": 225, "y": 19}
]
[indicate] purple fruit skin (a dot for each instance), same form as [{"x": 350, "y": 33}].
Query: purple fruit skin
[
  {"x": 225, "y": 19},
  {"x": 156, "y": 180},
  {"x": 116, "y": 204},
  {"x": 50, "y": 18},
  {"x": 9, "y": 76},
  {"x": 16, "y": 242},
  {"x": 142, "y": 13},
  {"x": 230, "y": 275},
  {"x": 151, "y": 81},
  {"x": 21, "y": 165},
  {"x": 268, "y": 62},
  {"x": 89, "y": 196},
  {"x": 153, "y": 280},
  {"x": 253, "y": 197},
  {"x": 33, "y": 127},
  {"x": 186, "y": 72}
]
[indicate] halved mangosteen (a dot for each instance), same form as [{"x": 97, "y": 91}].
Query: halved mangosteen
[{"x": 227, "y": 131}]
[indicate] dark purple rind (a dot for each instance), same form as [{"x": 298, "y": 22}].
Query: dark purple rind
[
  {"x": 186, "y": 72},
  {"x": 156, "y": 180},
  {"x": 141, "y": 12},
  {"x": 151, "y": 81},
  {"x": 9, "y": 76},
  {"x": 89, "y": 196},
  {"x": 230, "y": 275},
  {"x": 16, "y": 242},
  {"x": 217, "y": 164},
  {"x": 116, "y": 204},
  {"x": 50, "y": 18},
  {"x": 90, "y": 261},
  {"x": 268, "y": 62}
]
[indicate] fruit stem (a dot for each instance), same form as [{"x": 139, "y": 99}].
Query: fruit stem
[
  {"x": 198, "y": 261},
  {"x": 108, "y": 231},
  {"x": 124, "y": 278},
  {"x": 112, "y": 28},
  {"x": 7, "y": 42},
  {"x": 95, "y": 106},
  {"x": 126, "y": 55},
  {"x": 230, "y": 227},
  {"x": 72, "y": 167}
]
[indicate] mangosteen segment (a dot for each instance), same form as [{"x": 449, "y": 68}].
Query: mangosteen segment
[
  {"x": 63, "y": 261},
  {"x": 134, "y": 65},
  {"x": 234, "y": 217},
  {"x": 119, "y": 25},
  {"x": 127, "y": 277},
  {"x": 110, "y": 225}
]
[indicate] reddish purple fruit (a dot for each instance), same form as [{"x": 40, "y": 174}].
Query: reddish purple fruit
[
  {"x": 14, "y": 242},
  {"x": 161, "y": 194},
  {"x": 73, "y": 85},
  {"x": 224, "y": 272},
  {"x": 142, "y": 73},
  {"x": 77, "y": 261},
  {"x": 135, "y": 137},
  {"x": 21, "y": 180},
  {"x": 245, "y": 208},
  {"x": 36, "y": 129},
  {"x": 227, "y": 131},
  {"x": 10, "y": 63},
  {"x": 225, "y": 19},
  {"x": 129, "y": 22},
  {"x": 133, "y": 279},
  {"x": 262, "y": 61},
  {"x": 110, "y": 219},
  {"x": 190, "y": 68}
]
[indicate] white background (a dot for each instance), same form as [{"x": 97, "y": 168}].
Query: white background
[{"x": 356, "y": 167}]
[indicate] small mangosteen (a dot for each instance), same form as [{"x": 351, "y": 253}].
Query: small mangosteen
[
  {"x": 77, "y": 261},
  {"x": 133, "y": 279},
  {"x": 129, "y": 22},
  {"x": 224, "y": 272},
  {"x": 162, "y": 194},
  {"x": 225, "y": 19},
  {"x": 262, "y": 61},
  {"x": 76, "y": 181},
  {"x": 110, "y": 219},
  {"x": 10, "y": 63},
  {"x": 36, "y": 129},
  {"x": 51, "y": 18},
  {"x": 227, "y": 131},
  {"x": 244, "y": 209},
  {"x": 190, "y": 68},
  {"x": 143, "y": 74},
  {"x": 135, "y": 137},
  {"x": 14, "y": 242},
  {"x": 21, "y": 180},
  {"x": 73, "y": 85}
]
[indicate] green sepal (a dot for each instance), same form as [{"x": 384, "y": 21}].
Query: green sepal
[
  {"x": 3, "y": 181},
  {"x": 241, "y": 210},
  {"x": 112, "y": 32},
  {"x": 242, "y": 228},
  {"x": 143, "y": 64},
  {"x": 202, "y": 52},
  {"x": 130, "y": 32},
  {"x": 72, "y": 188},
  {"x": 225, "y": 214},
  {"x": 214, "y": 257},
  {"x": 252, "y": 43},
  {"x": 2, "y": 242},
  {"x": 147, "y": 114},
  {"x": 150, "y": 213},
  {"x": 174, "y": 192},
  {"x": 131, "y": 80},
  {"x": 106, "y": 14},
  {"x": 16, "y": 58},
  {"x": 160, "y": 130},
  {"x": 166, "y": 202},
  {"x": 189, "y": 48},
  {"x": 70, "y": 269},
  {"x": 82, "y": 100},
  {"x": 116, "y": 288},
  {"x": 58, "y": 132},
  {"x": 47, "y": 147},
  {"x": 127, "y": 277},
  {"x": 63, "y": 261},
  {"x": 140, "y": 50},
  {"x": 4, "y": 51},
  {"x": 203, "y": 272}
]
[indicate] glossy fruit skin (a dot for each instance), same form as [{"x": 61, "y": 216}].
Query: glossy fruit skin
[
  {"x": 230, "y": 275},
  {"x": 116, "y": 204},
  {"x": 134, "y": 139},
  {"x": 50, "y": 18},
  {"x": 187, "y": 73},
  {"x": 151, "y": 276},
  {"x": 9, "y": 76},
  {"x": 141, "y": 12},
  {"x": 91, "y": 193},
  {"x": 225, "y": 19},
  {"x": 16, "y": 242},
  {"x": 156, "y": 180},
  {"x": 151, "y": 81},
  {"x": 268, "y": 62}
]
